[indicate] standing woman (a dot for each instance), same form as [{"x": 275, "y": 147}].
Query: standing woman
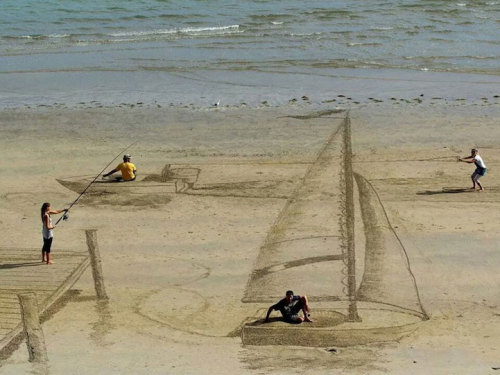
[{"x": 47, "y": 230}]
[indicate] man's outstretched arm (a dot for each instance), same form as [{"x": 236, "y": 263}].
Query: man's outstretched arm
[
  {"x": 268, "y": 313},
  {"x": 467, "y": 159},
  {"x": 110, "y": 172}
]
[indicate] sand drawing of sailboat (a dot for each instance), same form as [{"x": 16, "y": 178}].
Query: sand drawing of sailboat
[
  {"x": 359, "y": 297},
  {"x": 170, "y": 180}
]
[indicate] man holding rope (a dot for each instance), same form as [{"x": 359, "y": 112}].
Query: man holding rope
[{"x": 480, "y": 170}]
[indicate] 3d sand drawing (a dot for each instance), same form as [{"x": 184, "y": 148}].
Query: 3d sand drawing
[
  {"x": 170, "y": 180},
  {"x": 22, "y": 273},
  {"x": 31, "y": 292},
  {"x": 265, "y": 180},
  {"x": 361, "y": 290},
  {"x": 332, "y": 241}
]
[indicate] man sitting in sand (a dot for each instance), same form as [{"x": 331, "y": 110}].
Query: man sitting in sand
[
  {"x": 290, "y": 307},
  {"x": 480, "y": 168},
  {"x": 127, "y": 168}
]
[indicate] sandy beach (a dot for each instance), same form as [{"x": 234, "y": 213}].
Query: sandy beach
[
  {"x": 310, "y": 146},
  {"x": 177, "y": 265}
]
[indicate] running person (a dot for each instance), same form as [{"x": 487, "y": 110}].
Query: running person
[
  {"x": 47, "y": 230},
  {"x": 290, "y": 307},
  {"x": 480, "y": 170},
  {"x": 127, "y": 169}
]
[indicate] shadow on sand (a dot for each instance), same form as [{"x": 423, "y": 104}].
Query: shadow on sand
[
  {"x": 17, "y": 265},
  {"x": 446, "y": 191}
]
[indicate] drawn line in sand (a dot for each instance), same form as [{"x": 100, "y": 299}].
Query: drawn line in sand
[
  {"x": 170, "y": 320},
  {"x": 436, "y": 159},
  {"x": 302, "y": 239},
  {"x": 278, "y": 189},
  {"x": 297, "y": 263},
  {"x": 316, "y": 115}
]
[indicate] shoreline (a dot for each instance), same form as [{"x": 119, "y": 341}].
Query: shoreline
[{"x": 234, "y": 89}]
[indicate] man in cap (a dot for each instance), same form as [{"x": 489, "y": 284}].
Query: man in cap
[
  {"x": 480, "y": 170},
  {"x": 127, "y": 169},
  {"x": 290, "y": 307}
]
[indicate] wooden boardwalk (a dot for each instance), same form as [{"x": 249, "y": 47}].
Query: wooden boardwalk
[{"x": 21, "y": 271}]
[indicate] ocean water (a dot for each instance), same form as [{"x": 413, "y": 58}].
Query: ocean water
[{"x": 233, "y": 51}]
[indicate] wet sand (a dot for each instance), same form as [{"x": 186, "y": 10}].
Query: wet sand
[{"x": 176, "y": 266}]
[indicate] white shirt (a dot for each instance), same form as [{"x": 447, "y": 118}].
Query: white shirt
[
  {"x": 47, "y": 233},
  {"x": 478, "y": 160}
]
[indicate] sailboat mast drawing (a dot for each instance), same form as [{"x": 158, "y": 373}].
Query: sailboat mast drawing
[{"x": 348, "y": 209}]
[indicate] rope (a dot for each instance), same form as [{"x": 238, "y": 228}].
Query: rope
[{"x": 407, "y": 258}]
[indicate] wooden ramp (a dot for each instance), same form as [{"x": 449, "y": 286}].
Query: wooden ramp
[{"x": 21, "y": 271}]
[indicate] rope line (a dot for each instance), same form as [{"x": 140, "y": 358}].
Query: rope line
[{"x": 407, "y": 258}]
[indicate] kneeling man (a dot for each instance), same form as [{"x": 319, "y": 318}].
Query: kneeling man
[{"x": 290, "y": 307}]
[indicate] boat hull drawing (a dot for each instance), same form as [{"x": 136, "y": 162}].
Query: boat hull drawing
[{"x": 170, "y": 180}]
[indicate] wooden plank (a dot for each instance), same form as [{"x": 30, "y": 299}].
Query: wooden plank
[
  {"x": 61, "y": 272},
  {"x": 31, "y": 281},
  {"x": 9, "y": 323},
  {"x": 9, "y": 318},
  {"x": 21, "y": 289},
  {"x": 40, "y": 276},
  {"x": 7, "y": 308},
  {"x": 37, "y": 276}
]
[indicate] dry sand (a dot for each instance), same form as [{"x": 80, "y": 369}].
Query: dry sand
[{"x": 176, "y": 266}]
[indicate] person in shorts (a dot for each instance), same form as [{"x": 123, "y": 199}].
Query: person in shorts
[
  {"x": 290, "y": 307},
  {"x": 480, "y": 170},
  {"x": 128, "y": 170}
]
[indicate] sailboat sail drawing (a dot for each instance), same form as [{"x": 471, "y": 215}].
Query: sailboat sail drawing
[{"x": 363, "y": 290}]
